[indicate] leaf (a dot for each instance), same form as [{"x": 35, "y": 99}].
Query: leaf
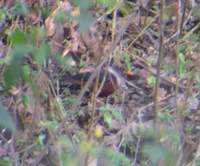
[
  {"x": 25, "y": 101},
  {"x": 26, "y": 72},
  {"x": 62, "y": 16},
  {"x": 11, "y": 75},
  {"x": 181, "y": 57},
  {"x": 151, "y": 80},
  {"x": 41, "y": 138},
  {"x": 36, "y": 34},
  {"x": 6, "y": 161},
  {"x": 197, "y": 77},
  {"x": 107, "y": 3},
  {"x": 109, "y": 113},
  {"x": 165, "y": 116},
  {"x": 108, "y": 118},
  {"x": 5, "y": 119},
  {"x": 19, "y": 8},
  {"x": 19, "y": 37},
  {"x": 86, "y": 4},
  {"x": 155, "y": 152},
  {"x": 115, "y": 158},
  {"x": 127, "y": 60},
  {"x": 85, "y": 20},
  {"x": 42, "y": 53},
  {"x": 3, "y": 13},
  {"x": 195, "y": 11},
  {"x": 182, "y": 69},
  {"x": 168, "y": 67},
  {"x": 98, "y": 131},
  {"x": 13, "y": 71}
]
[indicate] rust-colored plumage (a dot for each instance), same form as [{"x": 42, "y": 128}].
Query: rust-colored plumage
[{"x": 111, "y": 77}]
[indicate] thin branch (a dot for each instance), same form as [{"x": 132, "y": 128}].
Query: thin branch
[
  {"x": 182, "y": 8},
  {"x": 159, "y": 62}
]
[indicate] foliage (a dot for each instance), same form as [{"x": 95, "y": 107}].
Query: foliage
[
  {"x": 6, "y": 120},
  {"x": 40, "y": 44},
  {"x": 110, "y": 113},
  {"x": 5, "y": 161}
]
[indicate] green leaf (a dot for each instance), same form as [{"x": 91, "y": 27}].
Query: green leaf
[
  {"x": 197, "y": 160},
  {"x": 6, "y": 161},
  {"x": 42, "y": 53},
  {"x": 85, "y": 20},
  {"x": 19, "y": 8},
  {"x": 41, "y": 138},
  {"x": 151, "y": 80},
  {"x": 19, "y": 37},
  {"x": 109, "y": 113},
  {"x": 86, "y": 4},
  {"x": 181, "y": 57},
  {"x": 3, "y": 13},
  {"x": 5, "y": 119},
  {"x": 67, "y": 62},
  {"x": 11, "y": 75},
  {"x": 36, "y": 34},
  {"x": 182, "y": 70},
  {"x": 197, "y": 77},
  {"x": 183, "y": 48},
  {"x": 127, "y": 60},
  {"x": 25, "y": 100},
  {"x": 114, "y": 158},
  {"x": 195, "y": 11},
  {"x": 13, "y": 71},
  {"x": 155, "y": 152},
  {"x": 165, "y": 116},
  {"x": 108, "y": 118},
  {"x": 26, "y": 73},
  {"x": 169, "y": 68},
  {"x": 107, "y": 3},
  {"x": 63, "y": 16}
]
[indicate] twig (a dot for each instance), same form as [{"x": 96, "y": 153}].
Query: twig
[
  {"x": 180, "y": 160},
  {"x": 180, "y": 17},
  {"x": 92, "y": 123},
  {"x": 182, "y": 8},
  {"x": 159, "y": 62},
  {"x": 142, "y": 32},
  {"x": 165, "y": 79},
  {"x": 137, "y": 150},
  {"x": 152, "y": 103}
]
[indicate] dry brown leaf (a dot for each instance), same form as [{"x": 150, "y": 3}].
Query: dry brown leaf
[
  {"x": 34, "y": 17},
  {"x": 76, "y": 12},
  {"x": 15, "y": 91},
  {"x": 75, "y": 46},
  {"x": 50, "y": 25},
  {"x": 192, "y": 56},
  {"x": 172, "y": 79}
]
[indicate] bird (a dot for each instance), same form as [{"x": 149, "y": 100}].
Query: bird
[{"x": 110, "y": 77}]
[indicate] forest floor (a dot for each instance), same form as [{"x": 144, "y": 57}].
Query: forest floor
[{"x": 56, "y": 60}]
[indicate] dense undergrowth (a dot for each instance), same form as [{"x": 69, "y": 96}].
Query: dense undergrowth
[{"x": 153, "y": 116}]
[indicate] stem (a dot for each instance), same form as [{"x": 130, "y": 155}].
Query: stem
[{"x": 159, "y": 62}]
